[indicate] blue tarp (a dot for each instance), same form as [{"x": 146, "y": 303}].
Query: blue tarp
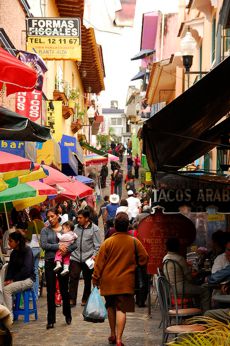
[{"x": 83, "y": 179}]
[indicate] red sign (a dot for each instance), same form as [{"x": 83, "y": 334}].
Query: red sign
[
  {"x": 29, "y": 104},
  {"x": 155, "y": 229}
]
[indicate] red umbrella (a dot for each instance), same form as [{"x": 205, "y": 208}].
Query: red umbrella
[
  {"x": 42, "y": 188},
  {"x": 15, "y": 75},
  {"x": 10, "y": 162},
  {"x": 55, "y": 176},
  {"x": 74, "y": 189},
  {"x": 65, "y": 186}
]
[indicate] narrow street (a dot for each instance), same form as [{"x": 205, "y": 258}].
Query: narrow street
[{"x": 140, "y": 329}]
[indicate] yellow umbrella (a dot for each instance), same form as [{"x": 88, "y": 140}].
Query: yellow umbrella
[
  {"x": 28, "y": 202},
  {"x": 3, "y": 184}
]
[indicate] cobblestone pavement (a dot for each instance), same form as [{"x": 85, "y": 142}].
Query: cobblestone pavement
[{"x": 140, "y": 329}]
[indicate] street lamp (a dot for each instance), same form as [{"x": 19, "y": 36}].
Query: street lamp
[
  {"x": 223, "y": 153},
  {"x": 187, "y": 46}
]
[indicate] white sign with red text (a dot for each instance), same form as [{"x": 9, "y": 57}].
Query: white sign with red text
[{"x": 29, "y": 104}]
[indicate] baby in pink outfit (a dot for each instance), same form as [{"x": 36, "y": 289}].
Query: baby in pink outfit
[{"x": 67, "y": 237}]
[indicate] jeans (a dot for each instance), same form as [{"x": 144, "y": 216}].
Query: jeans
[
  {"x": 75, "y": 271},
  {"x": 118, "y": 189},
  {"x": 36, "y": 253},
  {"x": 51, "y": 288}
]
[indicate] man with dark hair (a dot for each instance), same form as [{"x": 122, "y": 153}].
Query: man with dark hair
[
  {"x": 88, "y": 244},
  {"x": 102, "y": 212},
  {"x": 103, "y": 175}
]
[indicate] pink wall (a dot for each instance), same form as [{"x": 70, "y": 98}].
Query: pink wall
[{"x": 149, "y": 30}]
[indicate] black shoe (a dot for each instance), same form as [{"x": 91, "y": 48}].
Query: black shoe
[
  {"x": 68, "y": 320},
  {"x": 49, "y": 326}
]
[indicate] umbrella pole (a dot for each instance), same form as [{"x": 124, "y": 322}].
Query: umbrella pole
[{"x": 7, "y": 220}]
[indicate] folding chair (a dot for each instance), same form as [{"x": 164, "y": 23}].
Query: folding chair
[{"x": 165, "y": 292}]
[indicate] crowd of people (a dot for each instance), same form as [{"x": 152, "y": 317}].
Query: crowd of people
[{"x": 68, "y": 237}]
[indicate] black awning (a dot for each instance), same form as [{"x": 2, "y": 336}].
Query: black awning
[
  {"x": 143, "y": 54},
  {"x": 186, "y": 128},
  {"x": 139, "y": 75},
  {"x": 16, "y": 127},
  {"x": 224, "y": 17}
]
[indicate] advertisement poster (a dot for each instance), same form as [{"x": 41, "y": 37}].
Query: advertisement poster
[{"x": 54, "y": 38}]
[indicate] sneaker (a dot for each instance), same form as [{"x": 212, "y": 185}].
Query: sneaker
[
  {"x": 65, "y": 272},
  {"x": 57, "y": 268}
]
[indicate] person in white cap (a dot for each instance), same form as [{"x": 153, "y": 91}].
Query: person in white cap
[
  {"x": 134, "y": 205},
  {"x": 111, "y": 208}
]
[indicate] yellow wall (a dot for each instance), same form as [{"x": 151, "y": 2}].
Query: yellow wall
[{"x": 70, "y": 75}]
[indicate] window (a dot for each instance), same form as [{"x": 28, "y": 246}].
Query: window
[
  {"x": 116, "y": 121},
  {"x": 113, "y": 121},
  {"x": 213, "y": 45},
  {"x": 227, "y": 40},
  {"x": 207, "y": 162},
  {"x": 200, "y": 60}
]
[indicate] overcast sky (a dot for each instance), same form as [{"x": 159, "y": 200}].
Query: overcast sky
[{"x": 119, "y": 49}]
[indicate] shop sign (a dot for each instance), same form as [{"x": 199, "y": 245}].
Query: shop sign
[
  {"x": 13, "y": 147},
  {"x": 67, "y": 144},
  {"x": 172, "y": 199},
  {"x": 54, "y": 38},
  {"x": 148, "y": 177},
  {"x": 155, "y": 229},
  {"x": 29, "y": 104}
]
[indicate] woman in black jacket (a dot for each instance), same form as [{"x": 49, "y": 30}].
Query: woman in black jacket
[{"x": 20, "y": 272}]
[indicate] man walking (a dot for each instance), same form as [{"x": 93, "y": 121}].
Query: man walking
[
  {"x": 103, "y": 175},
  {"x": 88, "y": 245}
]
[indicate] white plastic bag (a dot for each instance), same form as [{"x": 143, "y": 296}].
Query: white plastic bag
[{"x": 95, "y": 310}]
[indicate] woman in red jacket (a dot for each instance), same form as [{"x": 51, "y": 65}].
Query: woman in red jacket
[{"x": 114, "y": 273}]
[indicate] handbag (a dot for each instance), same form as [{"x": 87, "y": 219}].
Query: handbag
[
  {"x": 94, "y": 310},
  {"x": 140, "y": 274}
]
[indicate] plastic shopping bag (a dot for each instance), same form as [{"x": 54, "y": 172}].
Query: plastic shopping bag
[{"x": 95, "y": 310}]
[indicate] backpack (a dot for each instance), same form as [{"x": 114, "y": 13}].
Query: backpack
[{"x": 118, "y": 177}]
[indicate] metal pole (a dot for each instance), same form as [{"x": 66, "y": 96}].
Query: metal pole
[{"x": 7, "y": 220}]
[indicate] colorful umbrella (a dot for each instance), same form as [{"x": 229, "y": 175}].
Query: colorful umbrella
[
  {"x": 113, "y": 157},
  {"x": 65, "y": 186},
  {"x": 21, "y": 191},
  {"x": 15, "y": 75},
  {"x": 55, "y": 176},
  {"x": 95, "y": 159},
  {"x": 74, "y": 189},
  {"x": 12, "y": 166},
  {"x": 23, "y": 203}
]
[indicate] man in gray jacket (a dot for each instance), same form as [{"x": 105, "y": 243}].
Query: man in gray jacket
[{"x": 88, "y": 244}]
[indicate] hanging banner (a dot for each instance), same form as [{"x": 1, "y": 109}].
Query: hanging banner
[
  {"x": 29, "y": 104},
  {"x": 54, "y": 38},
  {"x": 35, "y": 61}
]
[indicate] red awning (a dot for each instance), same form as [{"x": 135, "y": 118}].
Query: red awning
[{"x": 15, "y": 75}]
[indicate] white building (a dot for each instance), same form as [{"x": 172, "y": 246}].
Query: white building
[{"x": 115, "y": 122}]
